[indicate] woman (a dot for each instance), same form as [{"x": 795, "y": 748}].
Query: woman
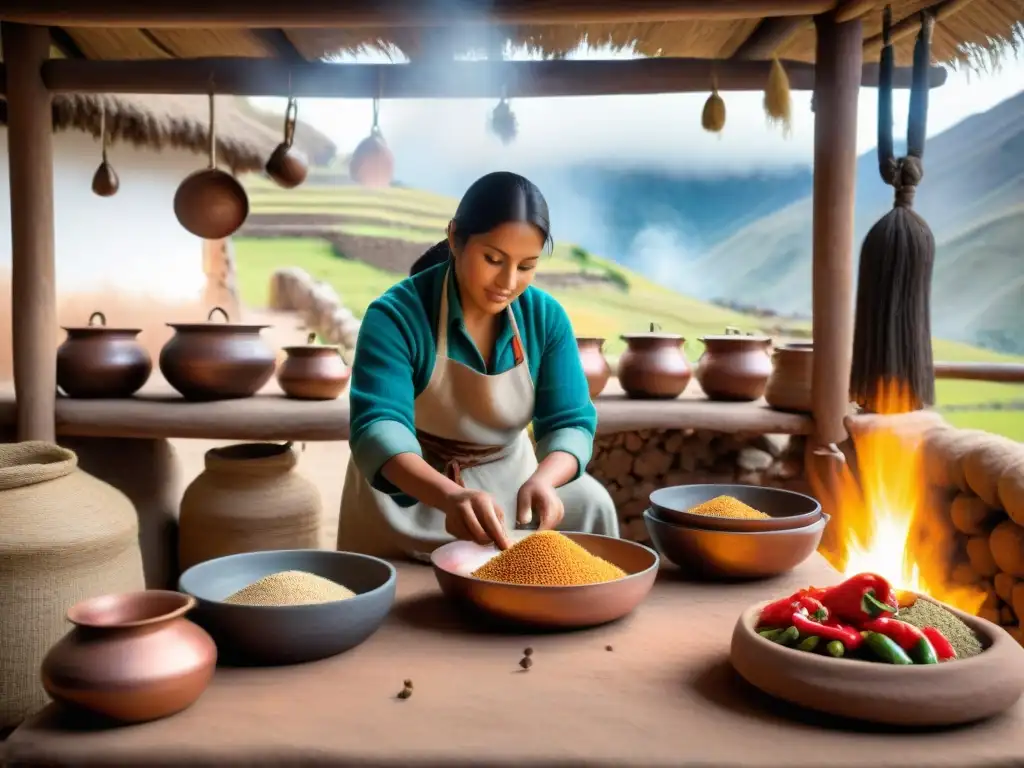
[{"x": 451, "y": 366}]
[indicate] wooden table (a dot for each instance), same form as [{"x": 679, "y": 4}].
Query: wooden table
[{"x": 664, "y": 696}]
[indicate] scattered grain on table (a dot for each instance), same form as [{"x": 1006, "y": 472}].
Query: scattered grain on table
[
  {"x": 727, "y": 506},
  {"x": 290, "y": 588},
  {"x": 547, "y": 558},
  {"x": 926, "y": 613}
]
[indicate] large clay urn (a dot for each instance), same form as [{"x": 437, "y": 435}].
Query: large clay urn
[
  {"x": 97, "y": 361},
  {"x": 131, "y": 657},
  {"x": 594, "y": 363},
  {"x": 734, "y": 366},
  {"x": 654, "y": 366},
  {"x": 789, "y": 386},
  {"x": 313, "y": 371}
]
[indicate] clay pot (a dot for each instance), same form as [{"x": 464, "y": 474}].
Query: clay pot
[
  {"x": 789, "y": 386},
  {"x": 217, "y": 361},
  {"x": 372, "y": 163},
  {"x": 734, "y": 366},
  {"x": 287, "y": 166},
  {"x": 654, "y": 365},
  {"x": 131, "y": 657},
  {"x": 594, "y": 364},
  {"x": 105, "y": 182},
  {"x": 96, "y": 361},
  {"x": 313, "y": 371}
]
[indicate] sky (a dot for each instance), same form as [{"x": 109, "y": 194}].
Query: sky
[{"x": 656, "y": 132}]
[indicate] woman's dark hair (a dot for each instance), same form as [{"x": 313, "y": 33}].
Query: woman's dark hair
[{"x": 491, "y": 201}]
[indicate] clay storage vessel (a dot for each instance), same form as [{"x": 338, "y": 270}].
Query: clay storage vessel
[
  {"x": 313, "y": 371},
  {"x": 789, "y": 386},
  {"x": 217, "y": 360},
  {"x": 654, "y": 366},
  {"x": 595, "y": 366},
  {"x": 734, "y": 366},
  {"x": 97, "y": 361}
]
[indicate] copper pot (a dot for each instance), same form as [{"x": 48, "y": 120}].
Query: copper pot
[
  {"x": 131, "y": 657},
  {"x": 288, "y": 166},
  {"x": 734, "y": 366},
  {"x": 99, "y": 362},
  {"x": 104, "y": 182},
  {"x": 313, "y": 371},
  {"x": 210, "y": 203},
  {"x": 372, "y": 163},
  {"x": 594, "y": 364},
  {"x": 789, "y": 386},
  {"x": 217, "y": 361},
  {"x": 654, "y": 365}
]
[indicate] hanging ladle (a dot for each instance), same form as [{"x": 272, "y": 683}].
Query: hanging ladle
[
  {"x": 211, "y": 203},
  {"x": 104, "y": 182},
  {"x": 287, "y": 166}
]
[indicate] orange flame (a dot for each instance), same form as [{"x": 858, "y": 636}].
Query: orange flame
[{"x": 884, "y": 516}]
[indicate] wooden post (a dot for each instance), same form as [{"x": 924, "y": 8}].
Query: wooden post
[
  {"x": 835, "y": 180},
  {"x": 33, "y": 289}
]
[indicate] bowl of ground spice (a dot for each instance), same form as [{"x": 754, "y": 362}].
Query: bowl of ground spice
[
  {"x": 721, "y": 507},
  {"x": 289, "y": 606},
  {"x": 548, "y": 579}
]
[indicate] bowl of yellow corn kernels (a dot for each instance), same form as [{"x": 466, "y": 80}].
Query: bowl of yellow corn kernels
[{"x": 727, "y": 507}]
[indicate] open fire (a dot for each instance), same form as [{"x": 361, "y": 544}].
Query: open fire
[{"x": 884, "y": 518}]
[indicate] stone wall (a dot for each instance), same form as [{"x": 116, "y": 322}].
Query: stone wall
[
  {"x": 978, "y": 482},
  {"x": 317, "y": 303},
  {"x": 631, "y": 465}
]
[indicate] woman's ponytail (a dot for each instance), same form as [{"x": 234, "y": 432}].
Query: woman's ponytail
[{"x": 438, "y": 254}]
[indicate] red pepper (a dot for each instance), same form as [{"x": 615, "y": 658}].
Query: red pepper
[
  {"x": 848, "y": 636},
  {"x": 777, "y": 614},
  {"x": 943, "y": 648},
  {"x": 906, "y": 636},
  {"x": 861, "y": 598}
]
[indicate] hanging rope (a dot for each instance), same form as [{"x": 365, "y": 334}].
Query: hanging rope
[{"x": 892, "y": 347}]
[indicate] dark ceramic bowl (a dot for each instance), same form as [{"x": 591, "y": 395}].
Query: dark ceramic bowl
[
  {"x": 268, "y": 635},
  {"x": 548, "y": 607},
  {"x": 734, "y": 554},
  {"x": 787, "y": 509}
]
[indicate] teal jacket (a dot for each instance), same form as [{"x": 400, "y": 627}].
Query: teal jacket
[{"x": 395, "y": 358}]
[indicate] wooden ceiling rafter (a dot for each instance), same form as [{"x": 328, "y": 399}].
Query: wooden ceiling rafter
[
  {"x": 66, "y": 44},
  {"x": 769, "y": 36},
  {"x": 909, "y": 25},
  {"x": 278, "y": 41},
  {"x": 157, "y": 43}
]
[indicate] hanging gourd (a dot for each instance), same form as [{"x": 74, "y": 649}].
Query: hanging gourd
[
  {"x": 713, "y": 117},
  {"x": 892, "y": 340},
  {"x": 104, "y": 182},
  {"x": 503, "y": 120},
  {"x": 776, "y": 98},
  {"x": 372, "y": 164}
]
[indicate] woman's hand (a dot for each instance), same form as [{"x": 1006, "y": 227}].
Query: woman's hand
[
  {"x": 474, "y": 516},
  {"x": 537, "y": 496}
]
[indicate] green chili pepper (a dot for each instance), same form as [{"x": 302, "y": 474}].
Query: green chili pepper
[
  {"x": 886, "y": 650},
  {"x": 836, "y": 649},
  {"x": 808, "y": 643},
  {"x": 769, "y": 634},
  {"x": 787, "y": 636}
]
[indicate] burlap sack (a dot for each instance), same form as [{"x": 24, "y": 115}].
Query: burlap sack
[
  {"x": 950, "y": 450},
  {"x": 986, "y": 464},
  {"x": 64, "y": 536},
  {"x": 1011, "y": 492},
  {"x": 1007, "y": 544}
]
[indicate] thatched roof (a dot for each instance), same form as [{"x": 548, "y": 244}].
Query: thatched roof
[{"x": 964, "y": 29}]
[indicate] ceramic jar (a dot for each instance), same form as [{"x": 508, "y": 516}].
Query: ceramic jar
[
  {"x": 734, "y": 366},
  {"x": 217, "y": 361},
  {"x": 249, "y": 498},
  {"x": 595, "y": 366},
  {"x": 654, "y": 365},
  {"x": 789, "y": 386},
  {"x": 313, "y": 371},
  {"x": 131, "y": 657},
  {"x": 64, "y": 537},
  {"x": 96, "y": 361}
]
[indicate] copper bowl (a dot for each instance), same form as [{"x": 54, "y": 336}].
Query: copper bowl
[
  {"x": 548, "y": 607},
  {"x": 734, "y": 554},
  {"x": 951, "y": 693},
  {"x": 788, "y": 509},
  {"x": 313, "y": 371}
]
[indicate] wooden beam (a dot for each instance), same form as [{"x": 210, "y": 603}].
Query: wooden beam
[
  {"x": 33, "y": 286},
  {"x": 854, "y": 9},
  {"x": 278, "y": 42},
  {"x": 769, "y": 36},
  {"x": 838, "y": 55},
  {"x": 449, "y": 80},
  {"x": 66, "y": 44},
  {"x": 910, "y": 25},
  {"x": 381, "y": 14}
]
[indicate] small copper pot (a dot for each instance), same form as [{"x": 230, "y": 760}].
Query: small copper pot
[
  {"x": 313, "y": 371},
  {"x": 654, "y": 365},
  {"x": 594, "y": 364},
  {"x": 217, "y": 361},
  {"x": 288, "y": 166},
  {"x": 100, "y": 362},
  {"x": 372, "y": 163},
  {"x": 789, "y": 386},
  {"x": 734, "y": 366},
  {"x": 132, "y": 657}
]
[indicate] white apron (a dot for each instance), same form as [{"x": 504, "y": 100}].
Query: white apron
[{"x": 472, "y": 427}]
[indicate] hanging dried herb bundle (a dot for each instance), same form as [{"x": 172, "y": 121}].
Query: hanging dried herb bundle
[
  {"x": 503, "y": 122},
  {"x": 713, "y": 117},
  {"x": 776, "y": 98},
  {"x": 892, "y": 345}
]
